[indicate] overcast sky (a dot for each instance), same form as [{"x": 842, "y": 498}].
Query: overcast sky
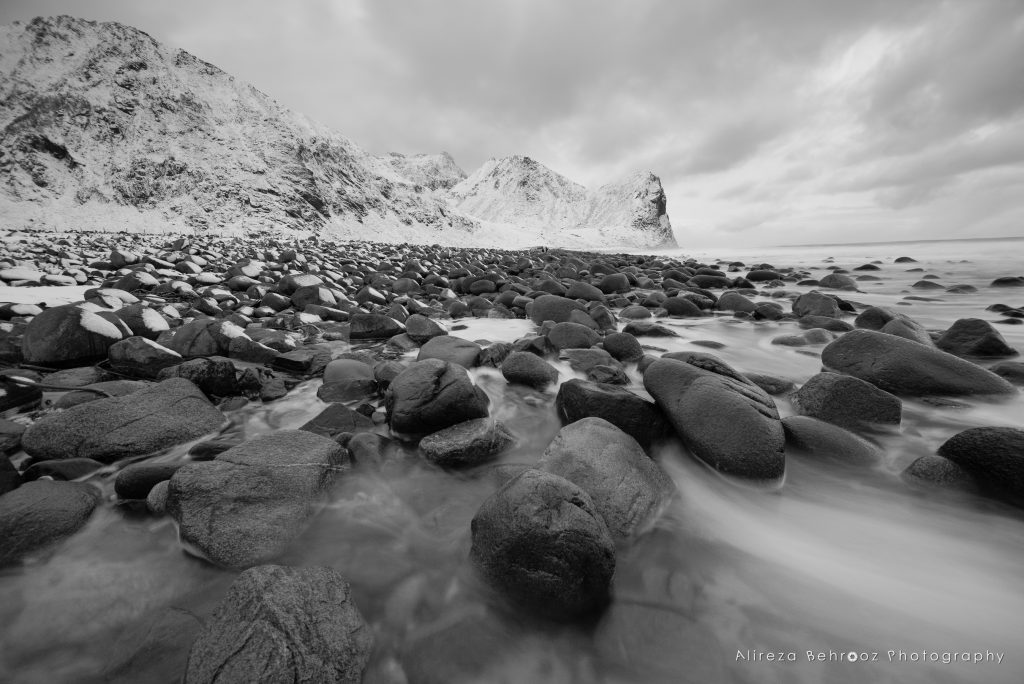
[{"x": 768, "y": 121}]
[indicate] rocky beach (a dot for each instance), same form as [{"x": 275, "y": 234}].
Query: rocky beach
[{"x": 231, "y": 459}]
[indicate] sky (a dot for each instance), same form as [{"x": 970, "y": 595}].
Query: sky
[{"x": 768, "y": 121}]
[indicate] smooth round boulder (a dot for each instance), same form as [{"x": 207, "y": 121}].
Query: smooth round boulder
[
  {"x": 421, "y": 329},
  {"x": 38, "y": 513},
  {"x": 827, "y": 442},
  {"x": 993, "y": 457},
  {"x": 815, "y": 303},
  {"x": 640, "y": 419},
  {"x": 431, "y": 395},
  {"x": 136, "y": 480},
  {"x": 623, "y": 347},
  {"x": 283, "y": 624},
  {"x": 937, "y": 471},
  {"x": 728, "y": 423},
  {"x": 541, "y": 543},
  {"x": 572, "y": 336},
  {"x": 554, "y": 308},
  {"x": 143, "y": 422},
  {"x": 629, "y": 489},
  {"x": 373, "y": 326},
  {"x": 884, "y": 319},
  {"x": 141, "y": 357},
  {"x": 974, "y": 337},
  {"x": 215, "y": 375},
  {"x": 526, "y": 368},
  {"x": 452, "y": 349},
  {"x": 846, "y": 401},
  {"x": 838, "y": 281},
  {"x": 467, "y": 444},
  {"x": 68, "y": 333},
  {"x": 901, "y": 366}
]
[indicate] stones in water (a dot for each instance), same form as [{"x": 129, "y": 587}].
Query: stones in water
[
  {"x": 901, "y": 366},
  {"x": 937, "y": 471},
  {"x": 41, "y": 512},
  {"x": 884, "y": 319},
  {"x": 107, "y": 430},
  {"x": 728, "y": 423},
  {"x": 640, "y": 419},
  {"x": 553, "y": 308},
  {"x": 824, "y": 441},
  {"x": 526, "y": 368},
  {"x": 452, "y": 349},
  {"x": 993, "y": 457},
  {"x": 247, "y": 505},
  {"x": 629, "y": 489},
  {"x": 838, "y": 281},
  {"x": 846, "y": 401},
  {"x": 283, "y": 624},
  {"x": 467, "y": 444},
  {"x": 68, "y": 333},
  {"x": 141, "y": 357},
  {"x": 431, "y": 395},
  {"x": 974, "y": 337},
  {"x": 541, "y": 543},
  {"x": 815, "y": 303}
]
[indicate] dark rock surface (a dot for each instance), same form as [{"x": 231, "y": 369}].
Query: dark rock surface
[
  {"x": 846, "y": 401},
  {"x": 634, "y": 415},
  {"x": 467, "y": 444},
  {"x": 431, "y": 395},
  {"x": 993, "y": 457},
  {"x": 39, "y": 513}
]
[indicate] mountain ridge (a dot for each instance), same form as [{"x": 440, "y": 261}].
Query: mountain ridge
[{"x": 102, "y": 124}]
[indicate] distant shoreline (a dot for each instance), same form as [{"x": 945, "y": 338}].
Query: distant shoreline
[{"x": 898, "y": 242}]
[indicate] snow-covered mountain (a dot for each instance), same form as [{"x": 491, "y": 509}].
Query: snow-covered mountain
[
  {"x": 105, "y": 128},
  {"x": 522, "y": 192}
]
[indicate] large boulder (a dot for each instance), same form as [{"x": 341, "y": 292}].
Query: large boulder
[
  {"x": 884, "y": 319},
  {"x": 64, "y": 334},
  {"x": 41, "y": 512},
  {"x": 525, "y": 368},
  {"x": 815, "y": 303},
  {"x": 846, "y": 401},
  {"x": 452, "y": 349},
  {"x": 467, "y": 444},
  {"x": 143, "y": 422},
  {"x": 282, "y": 624},
  {"x": 993, "y": 457},
  {"x": 727, "y": 422},
  {"x": 247, "y": 505},
  {"x": 553, "y": 308},
  {"x": 215, "y": 376},
  {"x": 431, "y": 395},
  {"x": 827, "y": 442},
  {"x": 901, "y": 366},
  {"x": 629, "y": 489},
  {"x": 974, "y": 337},
  {"x": 542, "y": 544},
  {"x": 141, "y": 357},
  {"x": 634, "y": 415}
]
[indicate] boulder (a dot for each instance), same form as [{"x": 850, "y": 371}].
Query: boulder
[
  {"x": 373, "y": 326},
  {"x": 215, "y": 376},
  {"x": 884, "y": 319},
  {"x": 421, "y": 329},
  {"x": 816, "y": 304},
  {"x": 525, "y": 368},
  {"x": 136, "y": 480},
  {"x": 637, "y": 417},
  {"x": 629, "y": 489},
  {"x": 846, "y": 401},
  {"x": 149, "y": 420},
  {"x": 572, "y": 336},
  {"x": 993, "y": 457},
  {"x": 974, "y": 337},
  {"x": 623, "y": 347},
  {"x": 336, "y": 419},
  {"x": 141, "y": 357},
  {"x": 431, "y": 395},
  {"x": 467, "y": 444},
  {"x": 68, "y": 333},
  {"x": 452, "y": 349},
  {"x": 827, "y": 442},
  {"x": 728, "y": 423},
  {"x": 838, "y": 281},
  {"x": 283, "y": 624},
  {"x": 937, "y": 471},
  {"x": 901, "y": 366},
  {"x": 248, "y": 504},
  {"x": 38, "y": 513},
  {"x": 554, "y": 308},
  {"x": 541, "y": 543}
]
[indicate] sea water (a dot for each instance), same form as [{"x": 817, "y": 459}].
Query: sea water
[{"x": 842, "y": 575}]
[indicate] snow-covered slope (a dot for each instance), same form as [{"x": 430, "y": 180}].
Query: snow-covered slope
[
  {"x": 102, "y": 127},
  {"x": 521, "y": 192}
]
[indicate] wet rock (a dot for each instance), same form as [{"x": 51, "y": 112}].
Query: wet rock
[
  {"x": 421, "y": 329},
  {"x": 993, "y": 457},
  {"x": 901, "y": 366},
  {"x": 36, "y": 514},
  {"x": 726, "y": 422},
  {"x": 1008, "y": 281},
  {"x": 155, "y": 418},
  {"x": 136, "y": 480},
  {"x": 10, "y": 479},
  {"x": 937, "y": 471},
  {"x": 467, "y": 444},
  {"x": 584, "y": 360},
  {"x": 215, "y": 376},
  {"x": 681, "y": 307},
  {"x": 816, "y": 304},
  {"x": 637, "y": 417},
  {"x": 838, "y": 281},
  {"x": 734, "y": 301},
  {"x": 196, "y": 339},
  {"x": 623, "y": 347},
  {"x": 572, "y": 336},
  {"x": 250, "y": 503},
  {"x": 974, "y": 337},
  {"x": 628, "y": 489},
  {"x": 884, "y": 319},
  {"x": 846, "y": 401},
  {"x": 99, "y": 390},
  {"x": 541, "y": 543},
  {"x": 372, "y": 326},
  {"x": 553, "y": 308},
  {"x": 68, "y": 333},
  {"x": 641, "y": 328},
  {"x": 335, "y": 420},
  {"x": 65, "y": 469},
  {"x": 771, "y": 384},
  {"x": 827, "y": 442},
  {"x": 283, "y": 624},
  {"x": 525, "y": 368},
  {"x": 141, "y": 357},
  {"x": 431, "y": 395},
  {"x": 143, "y": 321},
  {"x": 451, "y": 349},
  {"x": 1013, "y": 371}
]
